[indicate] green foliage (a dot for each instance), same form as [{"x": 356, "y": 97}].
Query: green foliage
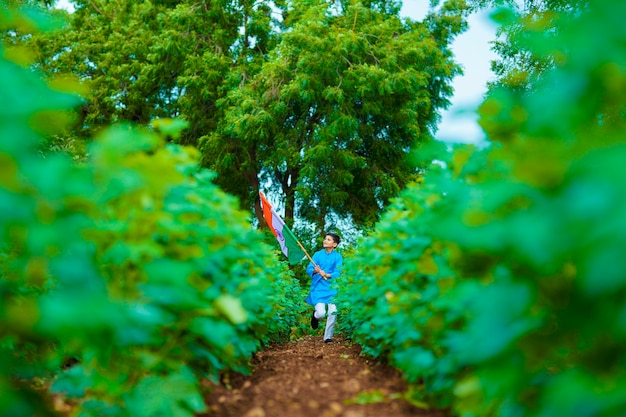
[
  {"x": 323, "y": 99},
  {"x": 330, "y": 117},
  {"x": 497, "y": 285},
  {"x": 370, "y": 397},
  {"x": 132, "y": 264},
  {"x": 526, "y": 29},
  {"x": 147, "y": 60}
]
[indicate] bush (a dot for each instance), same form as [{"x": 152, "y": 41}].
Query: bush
[
  {"x": 127, "y": 278},
  {"x": 497, "y": 286}
]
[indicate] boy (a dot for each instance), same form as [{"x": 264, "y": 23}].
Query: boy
[{"x": 328, "y": 263}]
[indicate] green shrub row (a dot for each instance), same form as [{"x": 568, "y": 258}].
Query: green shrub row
[
  {"x": 128, "y": 278},
  {"x": 498, "y": 284}
]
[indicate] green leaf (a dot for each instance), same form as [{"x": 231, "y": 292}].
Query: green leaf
[
  {"x": 175, "y": 395},
  {"x": 74, "y": 382},
  {"x": 499, "y": 315},
  {"x": 415, "y": 361},
  {"x": 231, "y": 308},
  {"x": 170, "y": 127}
]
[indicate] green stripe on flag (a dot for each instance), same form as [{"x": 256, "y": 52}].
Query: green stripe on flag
[{"x": 295, "y": 253}]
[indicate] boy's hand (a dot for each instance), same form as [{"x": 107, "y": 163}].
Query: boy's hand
[{"x": 321, "y": 272}]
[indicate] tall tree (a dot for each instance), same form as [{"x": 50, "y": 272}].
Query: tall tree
[
  {"x": 348, "y": 93},
  {"x": 148, "y": 59},
  {"x": 325, "y": 100}
]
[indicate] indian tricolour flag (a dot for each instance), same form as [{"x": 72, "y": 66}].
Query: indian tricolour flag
[{"x": 287, "y": 240}]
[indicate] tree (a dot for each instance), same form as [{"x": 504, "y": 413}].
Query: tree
[
  {"x": 145, "y": 60},
  {"x": 324, "y": 100},
  {"x": 526, "y": 29},
  {"x": 342, "y": 101}
]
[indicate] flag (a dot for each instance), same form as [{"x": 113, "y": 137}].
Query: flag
[{"x": 287, "y": 240}]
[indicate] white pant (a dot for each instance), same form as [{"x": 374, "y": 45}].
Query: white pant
[{"x": 320, "y": 313}]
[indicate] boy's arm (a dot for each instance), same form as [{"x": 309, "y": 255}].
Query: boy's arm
[{"x": 336, "y": 271}]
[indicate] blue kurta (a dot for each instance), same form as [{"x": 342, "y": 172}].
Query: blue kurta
[{"x": 321, "y": 291}]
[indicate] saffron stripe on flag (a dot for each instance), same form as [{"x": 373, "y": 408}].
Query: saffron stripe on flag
[{"x": 286, "y": 239}]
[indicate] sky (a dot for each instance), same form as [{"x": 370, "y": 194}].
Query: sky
[{"x": 472, "y": 51}]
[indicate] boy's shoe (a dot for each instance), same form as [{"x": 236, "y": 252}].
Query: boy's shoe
[
  {"x": 314, "y": 322},
  {"x": 328, "y": 341}
]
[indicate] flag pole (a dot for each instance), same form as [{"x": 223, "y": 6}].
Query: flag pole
[{"x": 308, "y": 256}]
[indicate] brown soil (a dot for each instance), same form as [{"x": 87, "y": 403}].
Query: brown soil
[{"x": 310, "y": 378}]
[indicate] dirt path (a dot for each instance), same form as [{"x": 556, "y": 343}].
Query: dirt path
[{"x": 310, "y": 378}]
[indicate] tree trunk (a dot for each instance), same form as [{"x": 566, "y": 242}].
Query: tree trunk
[{"x": 290, "y": 198}]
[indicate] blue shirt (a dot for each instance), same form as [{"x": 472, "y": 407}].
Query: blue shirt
[{"x": 321, "y": 292}]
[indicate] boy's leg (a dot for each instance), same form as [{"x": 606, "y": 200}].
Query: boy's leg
[
  {"x": 318, "y": 313},
  {"x": 320, "y": 310},
  {"x": 330, "y": 322}
]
